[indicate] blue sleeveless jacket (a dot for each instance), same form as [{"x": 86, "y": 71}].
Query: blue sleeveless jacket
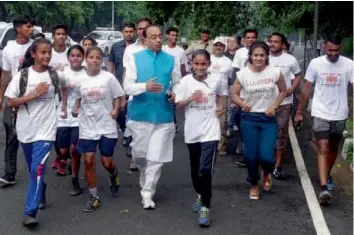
[{"x": 153, "y": 107}]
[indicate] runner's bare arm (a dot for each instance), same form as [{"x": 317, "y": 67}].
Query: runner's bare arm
[
  {"x": 282, "y": 91},
  {"x": 183, "y": 103},
  {"x": 295, "y": 84},
  {"x": 40, "y": 90},
  {"x": 64, "y": 93},
  {"x": 304, "y": 96},
  {"x": 235, "y": 93},
  {"x": 5, "y": 75}
]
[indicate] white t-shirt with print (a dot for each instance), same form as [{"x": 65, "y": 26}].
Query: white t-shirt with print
[
  {"x": 178, "y": 53},
  {"x": 59, "y": 60},
  {"x": 240, "y": 58},
  {"x": 240, "y": 61},
  {"x": 70, "y": 78},
  {"x": 97, "y": 94},
  {"x": 201, "y": 122},
  {"x": 13, "y": 55},
  {"x": 40, "y": 122},
  {"x": 330, "y": 99},
  {"x": 222, "y": 68},
  {"x": 260, "y": 89},
  {"x": 289, "y": 67}
]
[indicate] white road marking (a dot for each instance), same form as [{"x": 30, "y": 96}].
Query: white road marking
[{"x": 316, "y": 212}]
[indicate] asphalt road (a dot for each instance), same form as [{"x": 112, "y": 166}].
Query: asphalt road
[{"x": 283, "y": 211}]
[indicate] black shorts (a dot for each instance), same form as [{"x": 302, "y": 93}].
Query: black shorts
[{"x": 67, "y": 136}]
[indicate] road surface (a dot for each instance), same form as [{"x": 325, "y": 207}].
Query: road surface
[{"x": 283, "y": 211}]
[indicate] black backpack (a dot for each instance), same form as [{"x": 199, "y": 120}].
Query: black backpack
[{"x": 53, "y": 77}]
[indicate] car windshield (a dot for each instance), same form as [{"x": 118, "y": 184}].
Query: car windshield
[{"x": 99, "y": 35}]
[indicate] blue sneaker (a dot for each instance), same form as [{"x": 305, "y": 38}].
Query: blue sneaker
[
  {"x": 197, "y": 205},
  {"x": 203, "y": 219},
  {"x": 330, "y": 184},
  {"x": 114, "y": 184}
]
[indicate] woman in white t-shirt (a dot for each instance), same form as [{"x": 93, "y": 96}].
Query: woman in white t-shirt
[
  {"x": 68, "y": 129},
  {"x": 200, "y": 94},
  {"x": 97, "y": 100},
  {"x": 259, "y": 83},
  {"x": 32, "y": 91}
]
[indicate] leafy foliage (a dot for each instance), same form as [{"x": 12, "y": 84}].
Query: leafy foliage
[
  {"x": 219, "y": 17},
  {"x": 334, "y": 17},
  {"x": 78, "y": 15}
]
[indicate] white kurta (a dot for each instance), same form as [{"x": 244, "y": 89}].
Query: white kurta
[
  {"x": 151, "y": 141},
  {"x": 152, "y": 144}
]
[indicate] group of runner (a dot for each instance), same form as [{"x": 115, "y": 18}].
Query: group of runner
[{"x": 64, "y": 97}]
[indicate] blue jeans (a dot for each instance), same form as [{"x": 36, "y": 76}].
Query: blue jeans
[
  {"x": 36, "y": 155},
  {"x": 259, "y": 134}
]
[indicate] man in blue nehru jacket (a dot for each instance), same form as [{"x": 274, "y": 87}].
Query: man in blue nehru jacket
[{"x": 149, "y": 79}]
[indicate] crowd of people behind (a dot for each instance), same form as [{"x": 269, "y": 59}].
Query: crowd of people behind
[{"x": 68, "y": 98}]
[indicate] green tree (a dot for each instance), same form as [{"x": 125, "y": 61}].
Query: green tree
[
  {"x": 49, "y": 13},
  {"x": 334, "y": 17},
  {"x": 219, "y": 17}
]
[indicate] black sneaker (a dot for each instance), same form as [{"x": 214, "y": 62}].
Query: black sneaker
[
  {"x": 75, "y": 187},
  {"x": 114, "y": 184},
  {"x": 278, "y": 174},
  {"x": 30, "y": 222},
  {"x": 43, "y": 201},
  {"x": 7, "y": 180},
  {"x": 241, "y": 163},
  {"x": 125, "y": 142},
  {"x": 92, "y": 204}
]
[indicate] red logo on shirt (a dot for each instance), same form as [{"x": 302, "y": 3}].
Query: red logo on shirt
[
  {"x": 331, "y": 79},
  {"x": 202, "y": 100},
  {"x": 20, "y": 60},
  {"x": 94, "y": 93}
]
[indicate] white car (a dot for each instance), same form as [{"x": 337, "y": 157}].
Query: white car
[
  {"x": 69, "y": 42},
  {"x": 8, "y": 33},
  {"x": 105, "y": 38}
]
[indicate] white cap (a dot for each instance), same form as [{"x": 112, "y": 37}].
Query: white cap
[{"x": 219, "y": 40}]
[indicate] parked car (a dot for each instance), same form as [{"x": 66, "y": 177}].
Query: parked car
[
  {"x": 8, "y": 33},
  {"x": 105, "y": 38},
  {"x": 69, "y": 42}
]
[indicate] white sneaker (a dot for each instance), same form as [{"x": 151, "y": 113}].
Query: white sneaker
[{"x": 148, "y": 203}]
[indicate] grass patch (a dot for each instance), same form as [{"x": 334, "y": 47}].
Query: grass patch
[
  {"x": 349, "y": 127},
  {"x": 349, "y": 147},
  {"x": 350, "y": 153}
]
